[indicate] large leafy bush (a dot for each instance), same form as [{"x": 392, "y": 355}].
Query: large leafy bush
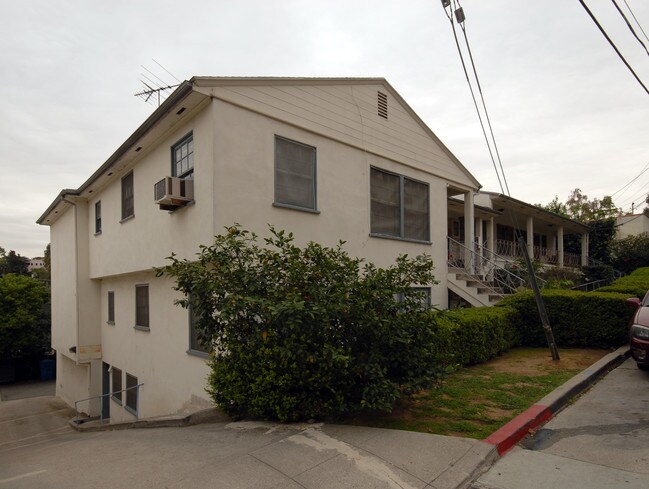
[
  {"x": 307, "y": 332},
  {"x": 24, "y": 317},
  {"x": 629, "y": 253}
]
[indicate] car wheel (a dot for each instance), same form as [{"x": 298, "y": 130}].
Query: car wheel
[{"x": 644, "y": 367}]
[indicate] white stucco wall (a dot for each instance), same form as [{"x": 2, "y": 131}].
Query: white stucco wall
[
  {"x": 152, "y": 234},
  {"x": 632, "y": 225},
  {"x": 244, "y": 152},
  {"x": 158, "y": 357}
]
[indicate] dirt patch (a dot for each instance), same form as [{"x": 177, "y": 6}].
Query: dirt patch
[{"x": 535, "y": 362}]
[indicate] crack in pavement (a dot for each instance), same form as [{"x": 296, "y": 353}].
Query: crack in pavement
[{"x": 545, "y": 437}]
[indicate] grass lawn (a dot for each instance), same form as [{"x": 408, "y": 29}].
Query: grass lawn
[{"x": 475, "y": 401}]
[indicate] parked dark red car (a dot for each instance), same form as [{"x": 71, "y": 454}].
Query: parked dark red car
[{"x": 639, "y": 331}]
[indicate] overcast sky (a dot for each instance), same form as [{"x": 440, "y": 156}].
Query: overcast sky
[{"x": 566, "y": 111}]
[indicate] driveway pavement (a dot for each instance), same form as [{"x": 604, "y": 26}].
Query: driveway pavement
[
  {"x": 601, "y": 441},
  {"x": 237, "y": 455}
]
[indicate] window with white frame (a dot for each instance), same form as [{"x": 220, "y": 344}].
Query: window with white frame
[
  {"x": 295, "y": 174},
  {"x": 399, "y": 206},
  {"x": 182, "y": 157}
]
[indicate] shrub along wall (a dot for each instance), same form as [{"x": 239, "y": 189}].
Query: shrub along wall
[
  {"x": 578, "y": 319},
  {"x": 474, "y": 335}
]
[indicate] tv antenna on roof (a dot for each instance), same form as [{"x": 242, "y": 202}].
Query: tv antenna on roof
[{"x": 155, "y": 88}]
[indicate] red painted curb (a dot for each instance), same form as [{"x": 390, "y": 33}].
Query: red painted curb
[{"x": 514, "y": 431}]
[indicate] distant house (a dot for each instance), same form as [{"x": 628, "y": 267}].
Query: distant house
[
  {"x": 631, "y": 225},
  {"x": 329, "y": 159},
  {"x": 34, "y": 263}
]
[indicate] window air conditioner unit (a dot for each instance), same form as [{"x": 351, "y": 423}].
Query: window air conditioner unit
[{"x": 171, "y": 192}]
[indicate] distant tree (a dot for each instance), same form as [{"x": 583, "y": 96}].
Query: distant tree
[
  {"x": 599, "y": 214},
  {"x": 555, "y": 206},
  {"x": 46, "y": 258},
  {"x": 24, "y": 317},
  {"x": 14, "y": 263},
  {"x": 630, "y": 253}
]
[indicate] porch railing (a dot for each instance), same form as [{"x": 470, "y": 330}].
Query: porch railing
[
  {"x": 483, "y": 269},
  {"x": 510, "y": 249},
  {"x": 101, "y": 397}
]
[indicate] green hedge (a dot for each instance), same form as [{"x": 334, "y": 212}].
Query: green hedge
[
  {"x": 635, "y": 284},
  {"x": 578, "y": 319},
  {"x": 474, "y": 335}
]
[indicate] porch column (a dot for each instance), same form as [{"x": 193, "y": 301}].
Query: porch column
[
  {"x": 478, "y": 231},
  {"x": 491, "y": 235},
  {"x": 584, "y": 249},
  {"x": 530, "y": 237},
  {"x": 469, "y": 231},
  {"x": 560, "y": 244}
]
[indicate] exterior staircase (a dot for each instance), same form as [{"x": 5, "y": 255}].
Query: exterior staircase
[
  {"x": 475, "y": 289},
  {"x": 478, "y": 279}
]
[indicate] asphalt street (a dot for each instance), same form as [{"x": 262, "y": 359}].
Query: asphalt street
[{"x": 600, "y": 441}]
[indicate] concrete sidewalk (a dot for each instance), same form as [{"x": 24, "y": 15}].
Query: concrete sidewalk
[{"x": 599, "y": 442}]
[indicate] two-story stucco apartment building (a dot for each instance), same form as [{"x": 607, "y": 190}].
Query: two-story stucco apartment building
[{"x": 327, "y": 159}]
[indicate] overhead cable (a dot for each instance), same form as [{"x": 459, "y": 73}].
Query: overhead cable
[
  {"x": 613, "y": 45},
  {"x": 636, "y": 20},
  {"x": 629, "y": 25},
  {"x": 468, "y": 80}
]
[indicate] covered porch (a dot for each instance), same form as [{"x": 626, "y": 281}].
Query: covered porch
[{"x": 493, "y": 222}]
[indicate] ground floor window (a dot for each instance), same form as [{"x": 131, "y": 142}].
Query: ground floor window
[
  {"x": 131, "y": 393},
  {"x": 116, "y": 388}
]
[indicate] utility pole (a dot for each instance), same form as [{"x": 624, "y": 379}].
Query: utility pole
[{"x": 545, "y": 321}]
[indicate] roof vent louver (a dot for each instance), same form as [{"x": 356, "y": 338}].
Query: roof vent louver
[{"x": 382, "y": 102}]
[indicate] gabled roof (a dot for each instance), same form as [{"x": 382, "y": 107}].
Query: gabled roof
[{"x": 188, "y": 97}]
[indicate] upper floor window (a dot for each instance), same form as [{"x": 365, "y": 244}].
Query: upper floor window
[
  {"x": 295, "y": 174},
  {"x": 111, "y": 307},
  {"x": 98, "y": 217},
  {"x": 182, "y": 158},
  {"x": 128, "y": 201},
  {"x": 399, "y": 206}
]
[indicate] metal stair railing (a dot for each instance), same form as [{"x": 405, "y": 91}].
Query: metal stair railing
[
  {"x": 483, "y": 270},
  {"x": 101, "y": 403}
]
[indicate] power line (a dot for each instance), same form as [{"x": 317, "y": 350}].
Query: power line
[
  {"x": 477, "y": 79},
  {"x": 636, "y": 20},
  {"x": 475, "y": 102},
  {"x": 613, "y": 45},
  {"x": 646, "y": 167},
  {"x": 629, "y": 25}
]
